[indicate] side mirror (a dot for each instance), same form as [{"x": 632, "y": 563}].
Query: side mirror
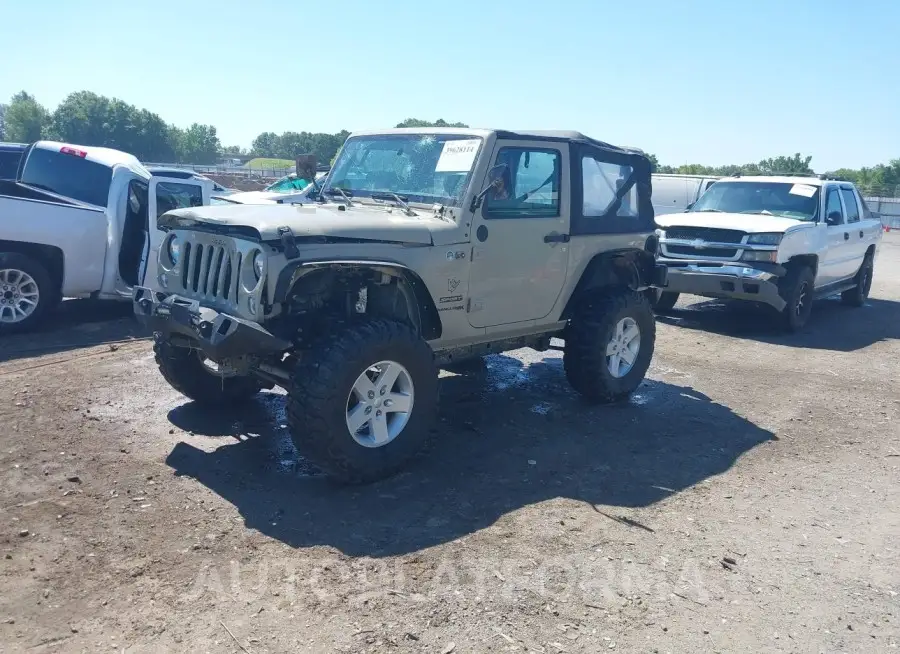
[
  {"x": 834, "y": 218},
  {"x": 495, "y": 177}
]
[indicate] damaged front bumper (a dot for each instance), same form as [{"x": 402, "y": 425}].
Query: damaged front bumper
[
  {"x": 757, "y": 283},
  {"x": 219, "y": 335}
]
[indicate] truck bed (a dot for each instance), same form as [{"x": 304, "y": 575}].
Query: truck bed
[{"x": 29, "y": 216}]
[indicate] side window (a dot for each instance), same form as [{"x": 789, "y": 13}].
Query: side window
[
  {"x": 708, "y": 184},
  {"x": 171, "y": 196},
  {"x": 600, "y": 182},
  {"x": 834, "y": 215},
  {"x": 527, "y": 185},
  {"x": 851, "y": 205}
]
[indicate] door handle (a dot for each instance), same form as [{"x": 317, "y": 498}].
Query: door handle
[
  {"x": 846, "y": 236},
  {"x": 860, "y": 233},
  {"x": 556, "y": 238}
]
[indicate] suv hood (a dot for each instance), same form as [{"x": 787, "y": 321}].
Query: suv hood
[
  {"x": 370, "y": 223},
  {"x": 251, "y": 197},
  {"x": 747, "y": 222}
]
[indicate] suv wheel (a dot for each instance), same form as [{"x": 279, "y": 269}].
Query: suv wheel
[
  {"x": 189, "y": 373},
  {"x": 27, "y": 292},
  {"x": 797, "y": 288},
  {"x": 665, "y": 300},
  {"x": 361, "y": 404},
  {"x": 609, "y": 345},
  {"x": 856, "y": 296}
]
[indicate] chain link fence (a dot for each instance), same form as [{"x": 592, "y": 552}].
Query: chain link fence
[{"x": 222, "y": 169}]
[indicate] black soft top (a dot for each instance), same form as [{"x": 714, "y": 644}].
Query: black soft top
[{"x": 568, "y": 136}]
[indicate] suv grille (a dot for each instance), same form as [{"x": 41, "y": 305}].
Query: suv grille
[
  {"x": 686, "y": 250},
  {"x": 709, "y": 234},
  {"x": 210, "y": 271}
]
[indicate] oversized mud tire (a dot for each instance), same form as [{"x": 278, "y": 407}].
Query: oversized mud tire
[
  {"x": 609, "y": 345},
  {"x": 796, "y": 289},
  {"x": 186, "y": 372},
  {"x": 362, "y": 402},
  {"x": 856, "y": 296},
  {"x": 27, "y": 293},
  {"x": 665, "y": 301}
]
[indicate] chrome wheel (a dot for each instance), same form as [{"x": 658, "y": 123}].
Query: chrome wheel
[
  {"x": 19, "y": 295},
  {"x": 623, "y": 347},
  {"x": 380, "y": 404}
]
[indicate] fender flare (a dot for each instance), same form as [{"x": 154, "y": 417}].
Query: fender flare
[{"x": 428, "y": 314}]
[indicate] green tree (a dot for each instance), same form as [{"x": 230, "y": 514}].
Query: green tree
[
  {"x": 793, "y": 164},
  {"x": 2, "y": 122},
  {"x": 440, "y": 122},
  {"x": 266, "y": 145},
  {"x": 24, "y": 119},
  {"x": 198, "y": 144}
]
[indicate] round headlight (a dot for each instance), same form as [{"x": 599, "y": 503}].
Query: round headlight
[
  {"x": 259, "y": 263},
  {"x": 174, "y": 249}
]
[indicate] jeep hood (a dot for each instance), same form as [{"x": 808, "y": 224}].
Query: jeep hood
[
  {"x": 747, "y": 222},
  {"x": 263, "y": 221}
]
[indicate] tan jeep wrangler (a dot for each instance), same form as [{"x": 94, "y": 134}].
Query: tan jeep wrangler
[{"x": 426, "y": 248}]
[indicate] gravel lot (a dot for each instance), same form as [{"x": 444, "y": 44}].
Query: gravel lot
[{"x": 745, "y": 500}]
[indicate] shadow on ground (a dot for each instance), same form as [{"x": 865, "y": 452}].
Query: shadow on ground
[
  {"x": 77, "y": 324},
  {"x": 832, "y": 325},
  {"x": 507, "y": 438}
]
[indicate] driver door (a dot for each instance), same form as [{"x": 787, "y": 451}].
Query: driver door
[
  {"x": 521, "y": 253},
  {"x": 167, "y": 194}
]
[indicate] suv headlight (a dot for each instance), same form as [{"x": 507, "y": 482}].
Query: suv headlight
[
  {"x": 765, "y": 239},
  {"x": 259, "y": 265},
  {"x": 174, "y": 249}
]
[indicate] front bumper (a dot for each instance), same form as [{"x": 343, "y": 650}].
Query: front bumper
[
  {"x": 219, "y": 335},
  {"x": 734, "y": 281}
]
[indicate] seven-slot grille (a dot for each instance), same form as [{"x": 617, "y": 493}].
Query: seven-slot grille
[{"x": 211, "y": 270}]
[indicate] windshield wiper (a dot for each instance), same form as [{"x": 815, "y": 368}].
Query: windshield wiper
[
  {"x": 764, "y": 212},
  {"x": 336, "y": 190},
  {"x": 709, "y": 210},
  {"x": 399, "y": 199}
]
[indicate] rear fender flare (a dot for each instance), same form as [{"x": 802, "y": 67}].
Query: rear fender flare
[{"x": 631, "y": 268}]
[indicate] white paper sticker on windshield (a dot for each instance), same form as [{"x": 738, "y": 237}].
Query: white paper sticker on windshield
[
  {"x": 805, "y": 190},
  {"x": 457, "y": 156}
]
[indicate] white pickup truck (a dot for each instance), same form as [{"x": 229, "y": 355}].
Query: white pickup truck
[
  {"x": 781, "y": 241},
  {"x": 80, "y": 221}
]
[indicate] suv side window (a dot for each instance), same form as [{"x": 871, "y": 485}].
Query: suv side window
[
  {"x": 851, "y": 205},
  {"x": 600, "y": 181},
  {"x": 171, "y": 196},
  {"x": 527, "y": 186},
  {"x": 834, "y": 214}
]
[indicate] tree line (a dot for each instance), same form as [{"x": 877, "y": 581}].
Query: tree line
[{"x": 91, "y": 119}]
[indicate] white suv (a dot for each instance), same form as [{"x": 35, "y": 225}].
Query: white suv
[{"x": 782, "y": 241}]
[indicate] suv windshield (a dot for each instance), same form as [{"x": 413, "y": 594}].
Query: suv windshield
[
  {"x": 69, "y": 175},
  {"x": 426, "y": 168},
  {"x": 799, "y": 201}
]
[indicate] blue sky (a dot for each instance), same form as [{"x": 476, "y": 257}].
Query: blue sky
[{"x": 692, "y": 81}]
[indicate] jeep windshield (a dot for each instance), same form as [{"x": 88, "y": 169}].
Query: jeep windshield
[
  {"x": 418, "y": 168},
  {"x": 798, "y": 201}
]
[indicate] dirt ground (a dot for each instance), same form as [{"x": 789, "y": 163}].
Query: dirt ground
[{"x": 745, "y": 500}]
